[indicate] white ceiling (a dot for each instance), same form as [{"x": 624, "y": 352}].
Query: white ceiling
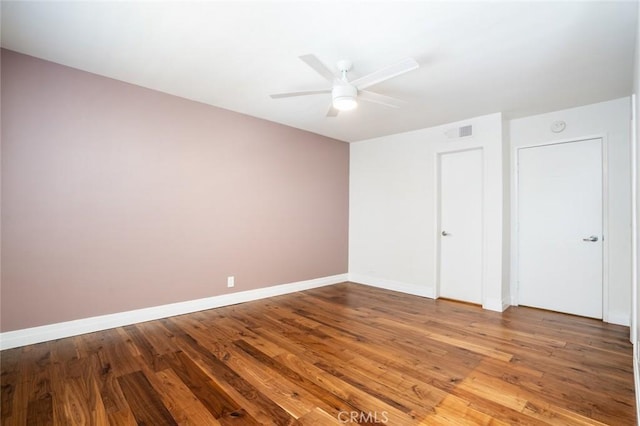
[{"x": 476, "y": 58}]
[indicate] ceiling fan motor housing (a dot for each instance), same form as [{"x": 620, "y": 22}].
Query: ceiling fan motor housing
[
  {"x": 344, "y": 96},
  {"x": 344, "y": 91}
]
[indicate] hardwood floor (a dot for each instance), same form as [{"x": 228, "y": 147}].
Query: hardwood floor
[{"x": 334, "y": 355}]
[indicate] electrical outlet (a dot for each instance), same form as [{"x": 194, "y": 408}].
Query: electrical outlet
[{"x": 231, "y": 281}]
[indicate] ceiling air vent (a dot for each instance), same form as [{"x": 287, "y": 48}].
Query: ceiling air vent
[{"x": 459, "y": 132}]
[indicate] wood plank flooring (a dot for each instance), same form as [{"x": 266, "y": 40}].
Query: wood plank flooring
[{"x": 341, "y": 354}]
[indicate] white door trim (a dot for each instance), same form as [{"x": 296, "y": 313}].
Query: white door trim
[
  {"x": 634, "y": 226},
  {"x": 515, "y": 237},
  {"x": 438, "y": 220}
]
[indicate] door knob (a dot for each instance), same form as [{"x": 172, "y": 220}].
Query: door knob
[
  {"x": 445, "y": 233},
  {"x": 591, "y": 239}
]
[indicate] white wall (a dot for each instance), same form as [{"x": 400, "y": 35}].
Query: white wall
[
  {"x": 636, "y": 142},
  {"x": 506, "y": 213},
  {"x": 393, "y": 201},
  {"x": 609, "y": 120},
  {"x": 636, "y": 283}
]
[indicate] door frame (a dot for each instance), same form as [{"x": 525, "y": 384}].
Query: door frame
[
  {"x": 515, "y": 226},
  {"x": 438, "y": 215}
]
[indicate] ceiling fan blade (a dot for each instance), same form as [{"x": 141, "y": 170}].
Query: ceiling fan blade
[
  {"x": 306, "y": 92},
  {"x": 333, "y": 112},
  {"x": 385, "y": 73},
  {"x": 318, "y": 67},
  {"x": 377, "y": 98}
]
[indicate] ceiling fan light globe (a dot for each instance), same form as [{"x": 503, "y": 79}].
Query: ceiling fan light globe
[{"x": 345, "y": 103}]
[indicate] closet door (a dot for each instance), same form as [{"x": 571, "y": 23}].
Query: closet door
[
  {"x": 460, "y": 233},
  {"x": 560, "y": 227}
]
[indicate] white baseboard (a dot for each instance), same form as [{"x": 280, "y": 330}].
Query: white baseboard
[
  {"x": 490, "y": 304},
  {"x": 393, "y": 285},
  {"x": 496, "y": 305},
  {"x": 28, "y": 336},
  {"x": 620, "y": 318},
  {"x": 636, "y": 379}
]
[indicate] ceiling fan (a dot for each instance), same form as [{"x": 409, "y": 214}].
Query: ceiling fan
[{"x": 344, "y": 93}]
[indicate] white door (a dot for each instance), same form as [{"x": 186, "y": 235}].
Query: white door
[
  {"x": 461, "y": 225},
  {"x": 560, "y": 227}
]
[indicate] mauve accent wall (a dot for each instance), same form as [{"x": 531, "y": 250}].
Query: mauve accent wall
[{"x": 116, "y": 197}]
